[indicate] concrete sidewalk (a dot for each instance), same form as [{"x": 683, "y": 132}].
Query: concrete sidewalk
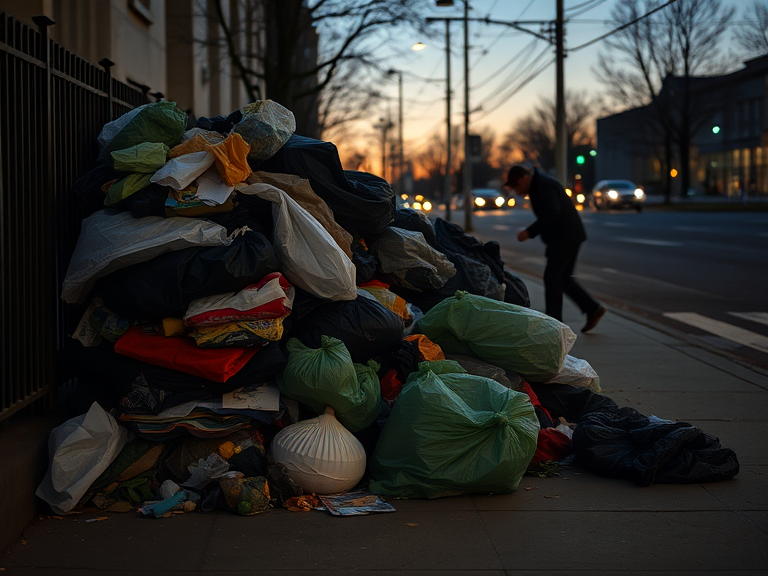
[{"x": 573, "y": 524}]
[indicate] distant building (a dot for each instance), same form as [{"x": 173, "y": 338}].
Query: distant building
[{"x": 729, "y": 147}]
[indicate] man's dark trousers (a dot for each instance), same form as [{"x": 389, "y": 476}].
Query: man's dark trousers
[{"x": 558, "y": 279}]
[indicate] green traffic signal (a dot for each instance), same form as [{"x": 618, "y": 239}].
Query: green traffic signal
[{"x": 580, "y": 159}]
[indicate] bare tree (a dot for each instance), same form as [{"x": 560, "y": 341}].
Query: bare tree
[
  {"x": 534, "y": 134},
  {"x": 651, "y": 62},
  {"x": 752, "y": 35},
  {"x": 320, "y": 56}
]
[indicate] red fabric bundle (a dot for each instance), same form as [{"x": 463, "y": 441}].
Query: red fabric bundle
[
  {"x": 182, "y": 354},
  {"x": 270, "y": 297}
]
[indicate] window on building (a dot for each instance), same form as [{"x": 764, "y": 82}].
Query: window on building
[{"x": 143, "y": 8}]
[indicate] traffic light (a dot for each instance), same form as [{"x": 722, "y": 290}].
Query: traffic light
[{"x": 580, "y": 159}]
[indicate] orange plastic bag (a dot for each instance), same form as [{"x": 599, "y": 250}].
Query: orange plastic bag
[
  {"x": 231, "y": 155},
  {"x": 428, "y": 350}
]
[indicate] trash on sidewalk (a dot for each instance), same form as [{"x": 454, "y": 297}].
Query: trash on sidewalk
[{"x": 264, "y": 329}]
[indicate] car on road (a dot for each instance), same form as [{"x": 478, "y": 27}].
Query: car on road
[
  {"x": 487, "y": 199},
  {"x": 617, "y": 194},
  {"x": 417, "y": 202}
]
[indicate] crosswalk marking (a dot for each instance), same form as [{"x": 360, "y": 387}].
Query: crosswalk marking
[
  {"x": 648, "y": 241},
  {"x": 501, "y": 227},
  {"x": 761, "y": 317},
  {"x": 722, "y": 329}
]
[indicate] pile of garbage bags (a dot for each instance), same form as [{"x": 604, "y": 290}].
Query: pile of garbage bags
[{"x": 259, "y": 323}]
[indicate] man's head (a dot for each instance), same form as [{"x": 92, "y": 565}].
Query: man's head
[{"x": 518, "y": 179}]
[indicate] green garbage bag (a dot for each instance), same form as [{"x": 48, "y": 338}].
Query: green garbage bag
[
  {"x": 512, "y": 337},
  {"x": 145, "y": 158},
  {"x": 155, "y": 122},
  {"x": 326, "y": 376},
  {"x": 453, "y": 433},
  {"x": 126, "y": 187}
]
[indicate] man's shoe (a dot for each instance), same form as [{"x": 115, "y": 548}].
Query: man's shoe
[{"x": 594, "y": 318}]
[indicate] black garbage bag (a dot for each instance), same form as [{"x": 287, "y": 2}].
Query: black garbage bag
[
  {"x": 132, "y": 386},
  {"x": 571, "y": 402},
  {"x": 250, "y": 211},
  {"x": 479, "y": 268},
  {"x": 149, "y": 201},
  {"x": 366, "y": 327},
  {"x": 516, "y": 291},
  {"x": 164, "y": 286},
  {"x": 416, "y": 221},
  {"x": 647, "y": 449},
  {"x": 221, "y": 124},
  {"x": 87, "y": 188},
  {"x": 365, "y": 262},
  {"x": 363, "y": 208}
]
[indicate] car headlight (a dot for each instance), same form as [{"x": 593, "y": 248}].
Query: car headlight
[
  {"x": 511, "y": 202},
  {"x": 417, "y": 205},
  {"x": 426, "y": 206},
  {"x": 639, "y": 193},
  {"x": 480, "y": 202},
  {"x": 612, "y": 194},
  {"x": 580, "y": 198},
  {"x": 499, "y": 202}
]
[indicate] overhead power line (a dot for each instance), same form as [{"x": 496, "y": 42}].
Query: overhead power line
[
  {"x": 622, "y": 27},
  {"x": 595, "y": 3}
]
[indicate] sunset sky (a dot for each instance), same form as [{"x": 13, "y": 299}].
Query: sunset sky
[{"x": 509, "y": 70}]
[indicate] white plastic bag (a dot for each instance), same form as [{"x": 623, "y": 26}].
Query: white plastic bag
[
  {"x": 266, "y": 126},
  {"x": 110, "y": 241},
  {"x": 180, "y": 172},
  {"x": 308, "y": 255},
  {"x": 320, "y": 455},
  {"x": 577, "y": 372},
  {"x": 79, "y": 451},
  {"x": 111, "y": 129}
]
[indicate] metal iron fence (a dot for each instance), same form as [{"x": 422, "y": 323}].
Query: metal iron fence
[{"x": 52, "y": 107}]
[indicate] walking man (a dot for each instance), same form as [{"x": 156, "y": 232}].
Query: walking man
[{"x": 560, "y": 227}]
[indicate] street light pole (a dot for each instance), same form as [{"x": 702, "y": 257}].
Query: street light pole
[
  {"x": 561, "y": 136},
  {"x": 400, "y": 131},
  {"x": 448, "y": 158}
]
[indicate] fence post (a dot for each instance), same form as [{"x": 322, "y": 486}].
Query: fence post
[
  {"x": 49, "y": 294},
  {"x": 107, "y": 64}
]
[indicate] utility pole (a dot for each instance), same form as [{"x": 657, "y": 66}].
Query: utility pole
[
  {"x": 447, "y": 192},
  {"x": 561, "y": 136},
  {"x": 468, "y": 200},
  {"x": 400, "y": 132}
]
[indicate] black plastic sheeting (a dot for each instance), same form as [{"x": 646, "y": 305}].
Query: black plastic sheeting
[
  {"x": 647, "y": 450},
  {"x": 164, "y": 286},
  {"x": 623, "y": 443},
  {"x": 366, "y": 327},
  {"x": 364, "y": 206}
]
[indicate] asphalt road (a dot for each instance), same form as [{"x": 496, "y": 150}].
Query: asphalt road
[{"x": 702, "y": 273}]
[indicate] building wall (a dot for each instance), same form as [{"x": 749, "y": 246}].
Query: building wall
[
  {"x": 170, "y": 46},
  {"x": 731, "y": 161}
]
